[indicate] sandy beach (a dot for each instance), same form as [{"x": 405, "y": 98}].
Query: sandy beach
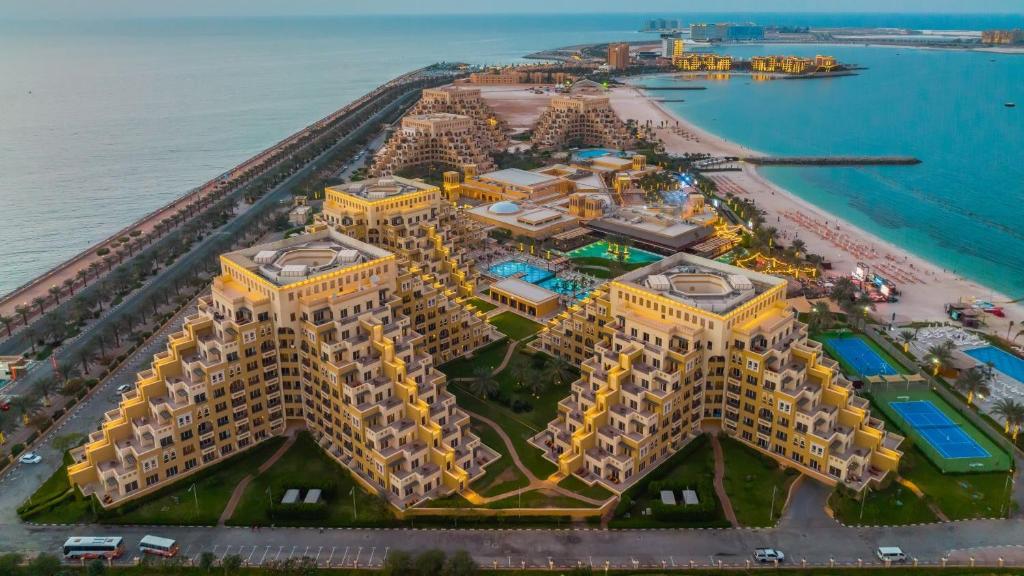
[{"x": 926, "y": 287}]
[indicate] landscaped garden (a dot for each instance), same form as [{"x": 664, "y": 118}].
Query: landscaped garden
[
  {"x": 693, "y": 467},
  {"x": 482, "y": 305},
  {"x": 515, "y": 326},
  {"x": 306, "y": 466},
  {"x": 755, "y": 484},
  {"x": 196, "y": 500}
]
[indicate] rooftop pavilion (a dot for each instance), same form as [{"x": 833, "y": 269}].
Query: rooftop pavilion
[
  {"x": 705, "y": 284},
  {"x": 381, "y": 188},
  {"x": 304, "y": 257}
]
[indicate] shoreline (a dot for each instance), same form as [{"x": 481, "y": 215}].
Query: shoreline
[{"x": 926, "y": 286}]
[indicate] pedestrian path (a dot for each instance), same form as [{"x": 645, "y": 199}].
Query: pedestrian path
[
  {"x": 236, "y": 496},
  {"x": 723, "y": 496}
]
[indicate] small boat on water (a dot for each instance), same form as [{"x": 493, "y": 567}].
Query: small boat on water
[{"x": 1010, "y": 104}]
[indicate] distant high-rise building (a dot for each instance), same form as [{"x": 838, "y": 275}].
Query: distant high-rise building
[
  {"x": 726, "y": 32},
  {"x": 668, "y": 43},
  {"x": 618, "y": 56}
]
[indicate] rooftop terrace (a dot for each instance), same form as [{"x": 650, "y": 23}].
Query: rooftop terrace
[
  {"x": 305, "y": 256},
  {"x": 381, "y": 188},
  {"x": 701, "y": 283}
]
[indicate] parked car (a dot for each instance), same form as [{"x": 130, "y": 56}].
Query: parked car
[
  {"x": 769, "y": 555},
  {"x": 890, "y": 554},
  {"x": 30, "y": 458},
  {"x": 123, "y": 388}
]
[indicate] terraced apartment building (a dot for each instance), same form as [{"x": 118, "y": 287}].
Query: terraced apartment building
[
  {"x": 688, "y": 343},
  {"x": 430, "y": 237},
  {"x": 306, "y": 331},
  {"x": 580, "y": 120},
  {"x": 438, "y": 140},
  {"x": 463, "y": 101}
]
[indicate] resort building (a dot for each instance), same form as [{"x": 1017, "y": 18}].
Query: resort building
[
  {"x": 525, "y": 298},
  {"x": 791, "y": 64},
  {"x": 574, "y": 334},
  {"x": 618, "y": 56},
  {"x": 666, "y": 229},
  {"x": 583, "y": 121},
  {"x": 1014, "y": 36},
  {"x": 431, "y": 238},
  {"x": 688, "y": 344},
  {"x": 490, "y": 129},
  {"x": 434, "y": 141},
  {"x": 306, "y": 331},
  {"x": 524, "y": 218},
  {"x": 706, "y": 62},
  {"x": 510, "y": 75}
]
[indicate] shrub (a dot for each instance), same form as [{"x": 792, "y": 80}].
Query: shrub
[
  {"x": 17, "y": 449},
  {"x": 300, "y": 511}
]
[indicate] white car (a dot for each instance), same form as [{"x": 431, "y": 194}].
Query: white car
[
  {"x": 123, "y": 388},
  {"x": 30, "y": 458},
  {"x": 769, "y": 555},
  {"x": 890, "y": 554}
]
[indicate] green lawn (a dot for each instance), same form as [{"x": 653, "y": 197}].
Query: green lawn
[
  {"x": 482, "y": 305},
  {"x": 959, "y": 496},
  {"x": 502, "y": 475},
  {"x": 749, "y": 480},
  {"x": 518, "y": 428},
  {"x": 539, "y": 499},
  {"x": 515, "y": 326},
  {"x": 490, "y": 356},
  {"x": 54, "y": 487},
  {"x": 172, "y": 505},
  {"x": 893, "y": 505},
  {"x": 306, "y": 460},
  {"x": 693, "y": 464},
  {"x": 579, "y": 487}
]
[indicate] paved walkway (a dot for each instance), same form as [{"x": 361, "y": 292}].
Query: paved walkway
[
  {"x": 723, "y": 496},
  {"x": 239, "y": 491}
]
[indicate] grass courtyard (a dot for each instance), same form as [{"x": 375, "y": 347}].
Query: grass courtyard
[
  {"x": 305, "y": 464},
  {"x": 515, "y": 326},
  {"x": 482, "y": 305},
  {"x": 750, "y": 478}
]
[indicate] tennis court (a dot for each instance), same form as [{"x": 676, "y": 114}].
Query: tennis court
[
  {"x": 948, "y": 439},
  {"x": 945, "y": 436},
  {"x": 860, "y": 356}
]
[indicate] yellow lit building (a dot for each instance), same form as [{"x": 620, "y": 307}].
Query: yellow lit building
[
  {"x": 435, "y": 140},
  {"x": 578, "y": 120},
  {"x": 688, "y": 343},
  {"x": 490, "y": 129},
  {"x": 306, "y": 331},
  {"x": 525, "y": 298},
  {"x": 703, "y": 62},
  {"x": 1015, "y": 36}
]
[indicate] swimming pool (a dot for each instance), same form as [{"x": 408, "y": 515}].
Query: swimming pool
[
  {"x": 564, "y": 287},
  {"x": 1001, "y": 360},
  {"x": 599, "y": 249},
  {"x": 592, "y": 153},
  {"x": 530, "y": 273},
  {"x": 860, "y": 356}
]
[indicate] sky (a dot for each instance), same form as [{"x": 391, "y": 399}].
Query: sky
[{"x": 103, "y": 9}]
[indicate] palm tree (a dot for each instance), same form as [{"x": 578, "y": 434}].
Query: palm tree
[
  {"x": 941, "y": 355},
  {"x": 7, "y": 321},
  {"x": 973, "y": 381},
  {"x": 798, "y": 246},
  {"x": 46, "y": 386},
  {"x": 39, "y": 302},
  {"x": 519, "y": 371},
  {"x": 83, "y": 275},
  {"x": 559, "y": 370},
  {"x": 23, "y": 311},
  {"x": 820, "y": 318},
  {"x": 69, "y": 285},
  {"x": 1012, "y": 413},
  {"x": 55, "y": 292},
  {"x": 907, "y": 336},
  {"x": 483, "y": 383},
  {"x": 25, "y": 405}
]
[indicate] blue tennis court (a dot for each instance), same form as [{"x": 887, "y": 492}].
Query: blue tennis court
[
  {"x": 860, "y": 356},
  {"x": 946, "y": 436}
]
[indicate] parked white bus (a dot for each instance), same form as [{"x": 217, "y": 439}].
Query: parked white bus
[
  {"x": 86, "y": 547},
  {"x": 159, "y": 546}
]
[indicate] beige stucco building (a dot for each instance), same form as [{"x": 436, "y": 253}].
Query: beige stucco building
[
  {"x": 688, "y": 343},
  {"x": 437, "y": 140},
  {"x": 465, "y": 101},
  {"x": 578, "y": 120}
]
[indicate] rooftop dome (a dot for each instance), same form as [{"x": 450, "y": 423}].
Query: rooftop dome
[{"x": 504, "y": 207}]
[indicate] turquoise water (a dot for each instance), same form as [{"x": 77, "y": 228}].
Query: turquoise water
[
  {"x": 592, "y": 153},
  {"x": 530, "y": 273},
  {"x": 563, "y": 287},
  {"x": 599, "y": 249},
  {"x": 104, "y": 120},
  {"x": 961, "y": 208},
  {"x": 1012, "y": 366}
]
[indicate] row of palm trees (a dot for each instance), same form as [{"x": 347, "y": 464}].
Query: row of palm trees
[{"x": 532, "y": 376}]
